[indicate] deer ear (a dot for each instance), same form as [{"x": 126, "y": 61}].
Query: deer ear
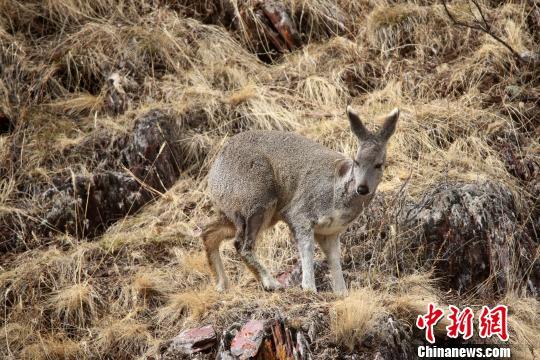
[
  {"x": 356, "y": 125},
  {"x": 389, "y": 125}
]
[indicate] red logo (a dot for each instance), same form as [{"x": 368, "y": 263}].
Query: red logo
[
  {"x": 429, "y": 320},
  {"x": 490, "y": 322},
  {"x": 494, "y": 322},
  {"x": 460, "y": 323}
]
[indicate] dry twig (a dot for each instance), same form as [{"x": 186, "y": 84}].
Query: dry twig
[{"x": 483, "y": 26}]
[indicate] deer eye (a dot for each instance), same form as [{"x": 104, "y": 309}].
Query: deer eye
[{"x": 378, "y": 166}]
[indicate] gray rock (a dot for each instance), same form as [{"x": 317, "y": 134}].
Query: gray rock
[
  {"x": 134, "y": 168},
  {"x": 470, "y": 234}
]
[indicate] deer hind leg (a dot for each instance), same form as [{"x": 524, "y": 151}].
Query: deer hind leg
[
  {"x": 245, "y": 246},
  {"x": 212, "y": 235}
]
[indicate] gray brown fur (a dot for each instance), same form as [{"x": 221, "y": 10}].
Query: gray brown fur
[{"x": 261, "y": 177}]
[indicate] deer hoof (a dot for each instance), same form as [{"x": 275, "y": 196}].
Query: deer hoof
[
  {"x": 222, "y": 287},
  {"x": 271, "y": 284}
]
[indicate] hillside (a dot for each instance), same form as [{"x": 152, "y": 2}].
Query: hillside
[{"x": 111, "y": 112}]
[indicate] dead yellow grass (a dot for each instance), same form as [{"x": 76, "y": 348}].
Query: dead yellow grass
[
  {"x": 17, "y": 337},
  {"x": 82, "y": 104},
  {"x": 355, "y": 316},
  {"x": 146, "y": 277},
  {"x": 76, "y": 304},
  {"x": 45, "y": 349},
  {"x": 123, "y": 337},
  {"x": 411, "y": 296},
  {"x": 524, "y": 315},
  {"x": 148, "y": 286},
  {"x": 193, "y": 303}
]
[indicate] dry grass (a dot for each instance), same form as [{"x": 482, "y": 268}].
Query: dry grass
[
  {"x": 524, "y": 314},
  {"x": 148, "y": 286},
  {"x": 123, "y": 338},
  {"x": 75, "y": 305},
  {"x": 145, "y": 278},
  {"x": 356, "y": 315},
  {"x": 193, "y": 304},
  {"x": 45, "y": 349}
]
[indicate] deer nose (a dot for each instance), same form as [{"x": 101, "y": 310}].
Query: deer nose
[{"x": 362, "y": 190}]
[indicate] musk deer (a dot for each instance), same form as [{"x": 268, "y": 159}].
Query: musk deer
[{"x": 261, "y": 177}]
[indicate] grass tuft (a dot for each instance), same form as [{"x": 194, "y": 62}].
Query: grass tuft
[
  {"x": 355, "y": 316},
  {"x": 468, "y": 112}
]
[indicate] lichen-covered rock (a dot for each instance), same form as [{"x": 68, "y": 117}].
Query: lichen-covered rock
[
  {"x": 88, "y": 204},
  {"x": 469, "y": 233},
  {"x": 139, "y": 167},
  {"x": 150, "y": 151}
]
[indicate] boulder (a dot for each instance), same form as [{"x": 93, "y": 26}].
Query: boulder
[
  {"x": 248, "y": 341},
  {"x": 271, "y": 30},
  {"x": 470, "y": 234},
  {"x": 134, "y": 170},
  {"x": 269, "y": 339},
  {"x": 88, "y": 204},
  {"x": 190, "y": 342},
  {"x": 150, "y": 151}
]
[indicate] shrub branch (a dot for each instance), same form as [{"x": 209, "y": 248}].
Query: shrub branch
[{"x": 483, "y": 26}]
